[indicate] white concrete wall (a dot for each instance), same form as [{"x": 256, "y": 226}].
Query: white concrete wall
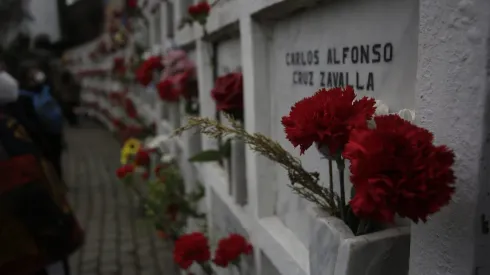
[
  {"x": 45, "y": 13},
  {"x": 452, "y": 100}
]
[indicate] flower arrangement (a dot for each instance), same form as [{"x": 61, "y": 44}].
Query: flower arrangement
[
  {"x": 196, "y": 13},
  {"x": 145, "y": 71},
  {"x": 395, "y": 167},
  {"x": 228, "y": 94},
  {"x": 199, "y": 12},
  {"x": 179, "y": 80},
  {"x": 119, "y": 66},
  {"x": 169, "y": 206}
]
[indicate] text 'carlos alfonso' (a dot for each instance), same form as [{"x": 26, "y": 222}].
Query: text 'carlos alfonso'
[{"x": 350, "y": 56}]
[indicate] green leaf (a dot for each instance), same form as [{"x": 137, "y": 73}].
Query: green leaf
[
  {"x": 206, "y": 156},
  {"x": 225, "y": 148}
]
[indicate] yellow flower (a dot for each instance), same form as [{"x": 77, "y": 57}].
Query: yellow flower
[{"x": 131, "y": 147}]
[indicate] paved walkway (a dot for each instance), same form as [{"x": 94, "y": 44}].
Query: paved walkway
[{"x": 118, "y": 240}]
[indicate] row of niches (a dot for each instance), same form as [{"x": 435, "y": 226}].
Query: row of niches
[{"x": 338, "y": 45}]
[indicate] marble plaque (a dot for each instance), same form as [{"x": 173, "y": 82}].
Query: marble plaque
[{"x": 370, "y": 45}]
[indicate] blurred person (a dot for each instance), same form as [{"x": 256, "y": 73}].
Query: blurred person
[
  {"x": 70, "y": 96},
  {"x": 20, "y": 108},
  {"x": 35, "y": 92},
  {"x": 38, "y": 229},
  {"x": 15, "y": 52}
]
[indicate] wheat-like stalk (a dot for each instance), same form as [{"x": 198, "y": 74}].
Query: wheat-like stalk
[{"x": 304, "y": 183}]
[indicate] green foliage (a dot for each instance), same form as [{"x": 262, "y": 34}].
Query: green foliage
[{"x": 167, "y": 203}]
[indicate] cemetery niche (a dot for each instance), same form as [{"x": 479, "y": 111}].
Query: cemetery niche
[{"x": 329, "y": 47}]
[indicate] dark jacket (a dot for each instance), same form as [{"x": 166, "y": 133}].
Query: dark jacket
[
  {"x": 38, "y": 227},
  {"x": 23, "y": 111}
]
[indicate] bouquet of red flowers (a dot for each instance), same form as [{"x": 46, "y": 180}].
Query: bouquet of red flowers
[{"x": 228, "y": 94}]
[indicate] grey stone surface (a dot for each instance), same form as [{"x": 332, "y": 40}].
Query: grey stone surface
[
  {"x": 116, "y": 238},
  {"x": 334, "y": 250},
  {"x": 327, "y": 233}
]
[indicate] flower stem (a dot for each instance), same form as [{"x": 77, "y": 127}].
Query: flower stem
[
  {"x": 363, "y": 227},
  {"x": 330, "y": 175},
  {"x": 341, "y": 168},
  {"x": 206, "y": 267}
]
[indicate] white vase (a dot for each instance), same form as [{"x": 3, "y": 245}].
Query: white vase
[{"x": 335, "y": 250}]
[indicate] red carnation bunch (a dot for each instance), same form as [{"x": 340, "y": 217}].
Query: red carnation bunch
[
  {"x": 131, "y": 131},
  {"x": 161, "y": 234},
  {"x": 178, "y": 78},
  {"x": 190, "y": 248},
  {"x": 172, "y": 211},
  {"x": 132, "y": 3},
  {"x": 199, "y": 12},
  {"x": 119, "y": 66},
  {"x": 144, "y": 73},
  {"x": 142, "y": 157},
  {"x": 230, "y": 249},
  {"x": 145, "y": 175},
  {"x": 185, "y": 83},
  {"x": 167, "y": 91},
  {"x": 124, "y": 171},
  {"x": 159, "y": 168},
  {"x": 130, "y": 108},
  {"x": 396, "y": 169},
  {"x": 118, "y": 123},
  {"x": 228, "y": 93},
  {"x": 327, "y": 118}
]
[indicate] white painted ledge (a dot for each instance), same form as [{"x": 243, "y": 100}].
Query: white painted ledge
[
  {"x": 282, "y": 247},
  {"x": 279, "y": 243},
  {"x": 215, "y": 177}
]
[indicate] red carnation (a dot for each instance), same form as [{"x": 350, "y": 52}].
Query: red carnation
[
  {"x": 144, "y": 73},
  {"x": 172, "y": 211},
  {"x": 132, "y": 3},
  {"x": 327, "y": 118},
  {"x": 200, "y": 9},
  {"x": 118, "y": 65},
  {"x": 118, "y": 123},
  {"x": 396, "y": 169},
  {"x": 142, "y": 158},
  {"x": 192, "y": 10},
  {"x": 186, "y": 84},
  {"x": 228, "y": 92},
  {"x": 159, "y": 168},
  {"x": 123, "y": 171},
  {"x": 143, "y": 76},
  {"x": 190, "y": 248},
  {"x": 230, "y": 249},
  {"x": 130, "y": 108},
  {"x": 167, "y": 91},
  {"x": 203, "y": 8},
  {"x": 145, "y": 175},
  {"x": 154, "y": 63},
  {"x": 161, "y": 234}
]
